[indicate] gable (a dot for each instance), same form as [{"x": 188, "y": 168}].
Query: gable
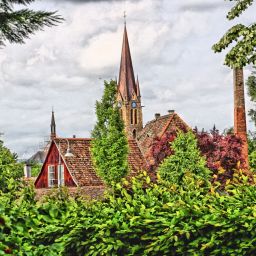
[
  {"x": 53, "y": 158},
  {"x": 157, "y": 128}
]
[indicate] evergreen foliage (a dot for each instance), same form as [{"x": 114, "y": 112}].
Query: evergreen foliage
[
  {"x": 17, "y": 25},
  {"x": 244, "y": 50},
  {"x": 110, "y": 146},
  {"x": 186, "y": 159}
]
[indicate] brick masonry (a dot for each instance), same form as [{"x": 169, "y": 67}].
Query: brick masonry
[{"x": 240, "y": 127}]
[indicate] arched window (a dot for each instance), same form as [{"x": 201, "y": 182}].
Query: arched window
[
  {"x": 134, "y": 134},
  {"x": 135, "y": 116},
  {"x": 131, "y": 116}
]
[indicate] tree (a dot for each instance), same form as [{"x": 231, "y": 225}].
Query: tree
[
  {"x": 10, "y": 170},
  {"x": 241, "y": 54},
  {"x": 110, "y": 146},
  {"x": 251, "y": 85},
  {"x": 244, "y": 50},
  {"x": 17, "y": 25},
  {"x": 186, "y": 160},
  {"x": 221, "y": 151}
]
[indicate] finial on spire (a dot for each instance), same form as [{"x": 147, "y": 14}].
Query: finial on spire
[{"x": 125, "y": 17}]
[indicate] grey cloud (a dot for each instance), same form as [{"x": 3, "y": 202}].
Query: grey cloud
[
  {"x": 202, "y": 7},
  {"x": 171, "y": 53}
]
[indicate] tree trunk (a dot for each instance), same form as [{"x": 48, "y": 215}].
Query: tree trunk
[{"x": 240, "y": 128}]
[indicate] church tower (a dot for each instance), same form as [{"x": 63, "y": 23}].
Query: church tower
[{"x": 129, "y": 98}]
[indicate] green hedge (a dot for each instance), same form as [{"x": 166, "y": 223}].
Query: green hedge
[{"x": 161, "y": 219}]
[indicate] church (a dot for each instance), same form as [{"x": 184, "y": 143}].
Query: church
[{"x": 68, "y": 160}]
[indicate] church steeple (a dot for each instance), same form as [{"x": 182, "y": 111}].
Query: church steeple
[
  {"x": 129, "y": 98},
  {"x": 53, "y": 127},
  {"x": 127, "y": 85}
]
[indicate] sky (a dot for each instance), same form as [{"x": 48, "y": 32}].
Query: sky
[{"x": 65, "y": 66}]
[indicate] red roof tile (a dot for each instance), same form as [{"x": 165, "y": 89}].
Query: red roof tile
[
  {"x": 81, "y": 166},
  {"x": 157, "y": 128}
]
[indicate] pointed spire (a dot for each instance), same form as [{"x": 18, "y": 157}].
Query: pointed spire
[
  {"x": 138, "y": 87},
  {"x": 53, "y": 127},
  {"x": 126, "y": 83}
]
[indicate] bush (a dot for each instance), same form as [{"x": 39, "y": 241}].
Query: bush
[{"x": 186, "y": 159}]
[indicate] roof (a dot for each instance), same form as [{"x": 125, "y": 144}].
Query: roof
[
  {"x": 157, "y": 128},
  {"x": 81, "y": 167},
  {"x": 38, "y": 157},
  {"x": 127, "y": 85}
]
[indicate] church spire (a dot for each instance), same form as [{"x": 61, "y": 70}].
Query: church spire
[
  {"x": 126, "y": 84},
  {"x": 128, "y": 96},
  {"x": 53, "y": 127},
  {"x": 138, "y": 87}
]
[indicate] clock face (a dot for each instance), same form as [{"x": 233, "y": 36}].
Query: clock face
[
  {"x": 134, "y": 104},
  {"x": 119, "y": 104}
]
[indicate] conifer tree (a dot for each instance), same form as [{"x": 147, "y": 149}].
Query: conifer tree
[
  {"x": 17, "y": 25},
  {"x": 110, "y": 146}
]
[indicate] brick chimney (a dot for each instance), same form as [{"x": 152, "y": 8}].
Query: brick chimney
[
  {"x": 157, "y": 115},
  {"x": 240, "y": 128}
]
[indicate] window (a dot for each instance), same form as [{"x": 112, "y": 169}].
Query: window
[
  {"x": 61, "y": 178},
  {"x": 132, "y": 116},
  {"x": 51, "y": 176},
  {"x": 135, "y": 116},
  {"x": 134, "y": 134}
]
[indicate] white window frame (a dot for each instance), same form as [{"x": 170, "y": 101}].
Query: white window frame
[
  {"x": 61, "y": 175},
  {"x": 51, "y": 176}
]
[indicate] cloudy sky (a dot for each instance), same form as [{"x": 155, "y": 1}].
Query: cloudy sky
[{"x": 65, "y": 66}]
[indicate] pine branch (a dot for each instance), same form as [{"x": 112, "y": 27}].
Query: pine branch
[{"x": 18, "y": 25}]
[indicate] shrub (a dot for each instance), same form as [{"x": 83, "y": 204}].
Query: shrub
[{"x": 186, "y": 159}]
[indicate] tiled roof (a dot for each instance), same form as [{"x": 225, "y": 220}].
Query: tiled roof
[
  {"x": 80, "y": 165},
  {"x": 157, "y": 128}
]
